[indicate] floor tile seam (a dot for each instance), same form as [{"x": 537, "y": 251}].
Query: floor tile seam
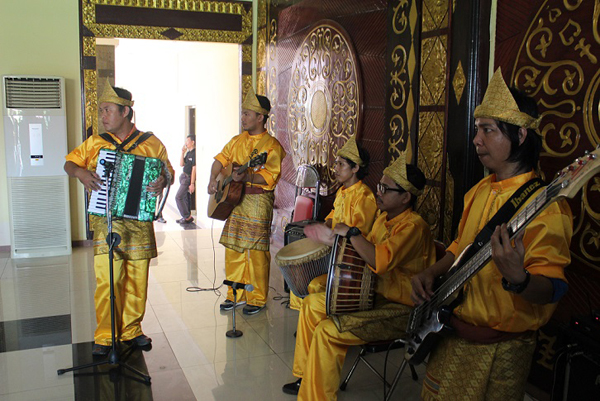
[
  {"x": 39, "y": 317},
  {"x": 226, "y": 326},
  {"x": 208, "y": 362}
]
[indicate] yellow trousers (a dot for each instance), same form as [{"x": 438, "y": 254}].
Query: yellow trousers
[
  {"x": 320, "y": 351},
  {"x": 249, "y": 267},
  {"x": 131, "y": 291},
  {"x": 317, "y": 285}
]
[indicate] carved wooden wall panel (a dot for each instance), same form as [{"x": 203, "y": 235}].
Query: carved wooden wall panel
[
  {"x": 289, "y": 23},
  {"x": 552, "y": 54},
  {"x": 324, "y": 99},
  {"x": 551, "y": 49}
]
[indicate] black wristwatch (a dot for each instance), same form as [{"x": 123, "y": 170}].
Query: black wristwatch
[
  {"x": 352, "y": 232},
  {"x": 516, "y": 288}
]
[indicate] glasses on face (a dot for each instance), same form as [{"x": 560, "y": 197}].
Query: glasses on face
[{"x": 382, "y": 188}]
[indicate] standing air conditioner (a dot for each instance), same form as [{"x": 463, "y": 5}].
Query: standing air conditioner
[{"x": 35, "y": 135}]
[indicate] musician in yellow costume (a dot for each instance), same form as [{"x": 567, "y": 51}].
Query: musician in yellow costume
[
  {"x": 247, "y": 230},
  {"x": 132, "y": 256},
  {"x": 488, "y": 357},
  {"x": 354, "y": 203},
  {"x": 398, "y": 246}
]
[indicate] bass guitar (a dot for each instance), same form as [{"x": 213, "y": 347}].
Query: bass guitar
[
  {"x": 229, "y": 192},
  {"x": 428, "y": 320}
]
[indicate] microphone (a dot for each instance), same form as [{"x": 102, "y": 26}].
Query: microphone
[{"x": 239, "y": 286}]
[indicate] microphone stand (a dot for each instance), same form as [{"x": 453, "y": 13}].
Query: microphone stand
[
  {"x": 233, "y": 333},
  {"x": 112, "y": 239}
]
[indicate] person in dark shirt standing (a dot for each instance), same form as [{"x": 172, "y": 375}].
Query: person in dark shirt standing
[{"x": 187, "y": 179}]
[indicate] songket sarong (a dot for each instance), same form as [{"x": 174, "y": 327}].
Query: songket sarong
[
  {"x": 386, "y": 321},
  {"x": 137, "y": 238},
  {"x": 249, "y": 225},
  {"x": 462, "y": 370}
]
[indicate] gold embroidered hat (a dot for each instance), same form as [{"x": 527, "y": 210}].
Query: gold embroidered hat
[
  {"x": 251, "y": 103},
  {"x": 499, "y": 104},
  {"x": 397, "y": 172},
  {"x": 350, "y": 151},
  {"x": 110, "y": 96}
]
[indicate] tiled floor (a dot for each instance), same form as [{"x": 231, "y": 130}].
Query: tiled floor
[{"x": 47, "y": 322}]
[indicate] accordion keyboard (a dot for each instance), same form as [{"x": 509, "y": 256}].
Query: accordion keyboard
[{"x": 99, "y": 199}]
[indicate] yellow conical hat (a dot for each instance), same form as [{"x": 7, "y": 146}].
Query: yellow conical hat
[
  {"x": 251, "y": 103},
  {"x": 499, "y": 104},
  {"x": 397, "y": 172},
  {"x": 110, "y": 96},
  {"x": 350, "y": 151}
]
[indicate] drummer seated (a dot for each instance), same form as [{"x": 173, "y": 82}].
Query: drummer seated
[{"x": 398, "y": 246}]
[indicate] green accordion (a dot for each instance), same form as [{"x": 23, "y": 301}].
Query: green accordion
[{"x": 126, "y": 193}]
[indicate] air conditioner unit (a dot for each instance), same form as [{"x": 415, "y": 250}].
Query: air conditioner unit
[{"x": 35, "y": 136}]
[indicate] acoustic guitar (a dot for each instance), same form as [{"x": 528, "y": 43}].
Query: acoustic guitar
[
  {"x": 429, "y": 320},
  {"x": 229, "y": 192}
]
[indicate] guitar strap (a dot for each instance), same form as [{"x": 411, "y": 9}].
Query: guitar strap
[{"x": 506, "y": 212}]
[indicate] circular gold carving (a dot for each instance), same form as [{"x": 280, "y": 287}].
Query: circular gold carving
[
  {"x": 325, "y": 99},
  {"x": 318, "y": 110}
]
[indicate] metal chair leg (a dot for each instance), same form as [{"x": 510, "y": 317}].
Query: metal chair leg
[
  {"x": 352, "y": 369},
  {"x": 396, "y": 378}
]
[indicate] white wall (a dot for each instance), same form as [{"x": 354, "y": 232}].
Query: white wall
[
  {"x": 41, "y": 37},
  {"x": 165, "y": 77}
]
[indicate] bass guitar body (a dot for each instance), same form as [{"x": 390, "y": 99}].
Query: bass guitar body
[{"x": 435, "y": 323}]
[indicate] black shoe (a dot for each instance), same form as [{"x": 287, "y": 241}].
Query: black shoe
[
  {"x": 100, "y": 350},
  {"x": 228, "y": 305},
  {"x": 141, "y": 341},
  {"x": 292, "y": 388},
  {"x": 252, "y": 309},
  {"x": 179, "y": 221}
]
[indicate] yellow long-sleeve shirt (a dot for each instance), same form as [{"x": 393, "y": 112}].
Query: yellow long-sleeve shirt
[
  {"x": 354, "y": 206},
  {"x": 238, "y": 151},
  {"x": 403, "y": 248},
  {"x": 546, "y": 240}
]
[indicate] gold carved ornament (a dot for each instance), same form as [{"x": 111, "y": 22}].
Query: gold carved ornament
[
  {"x": 325, "y": 99},
  {"x": 557, "y": 64},
  {"x": 272, "y": 73}
]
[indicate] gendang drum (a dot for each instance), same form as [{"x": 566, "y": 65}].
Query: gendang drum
[
  {"x": 300, "y": 262},
  {"x": 350, "y": 282}
]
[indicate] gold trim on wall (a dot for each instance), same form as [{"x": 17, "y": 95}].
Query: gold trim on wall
[
  {"x": 181, "y": 5},
  {"x": 432, "y": 125}
]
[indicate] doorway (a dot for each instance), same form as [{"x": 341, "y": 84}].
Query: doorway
[{"x": 180, "y": 88}]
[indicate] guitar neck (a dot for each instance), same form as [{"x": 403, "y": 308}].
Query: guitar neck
[{"x": 240, "y": 170}]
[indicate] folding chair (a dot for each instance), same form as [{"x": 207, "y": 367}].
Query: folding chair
[
  {"x": 375, "y": 347},
  {"x": 306, "y": 204},
  {"x": 381, "y": 346}
]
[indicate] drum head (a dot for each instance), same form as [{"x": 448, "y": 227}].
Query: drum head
[{"x": 300, "y": 250}]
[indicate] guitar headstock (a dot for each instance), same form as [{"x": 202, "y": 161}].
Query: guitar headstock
[
  {"x": 258, "y": 160},
  {"x": 571, "y": 178}
]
